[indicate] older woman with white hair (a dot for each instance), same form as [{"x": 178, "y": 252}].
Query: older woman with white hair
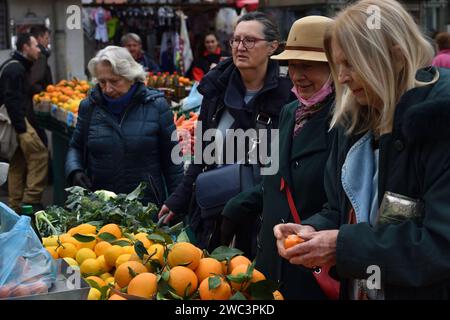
[
  {"x": 123, "y": 134},
  {"x": 386, "y": 226},
  {"x": 133, "y": 43}
]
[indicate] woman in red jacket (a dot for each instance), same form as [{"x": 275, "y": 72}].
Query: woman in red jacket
[{"x": 211, "y": 56}]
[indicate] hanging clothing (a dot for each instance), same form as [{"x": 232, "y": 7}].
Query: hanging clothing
[
  {"x": 100, "y": 17},
  {"x": 184, "y": 55}
]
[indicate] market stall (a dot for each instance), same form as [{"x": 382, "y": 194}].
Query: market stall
[{"x": 113, "y": 242}]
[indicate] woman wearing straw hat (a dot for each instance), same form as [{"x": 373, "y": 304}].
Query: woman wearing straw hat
[
  {"x": 304, "y": 149},
  {"x": 386, "y": 225}
]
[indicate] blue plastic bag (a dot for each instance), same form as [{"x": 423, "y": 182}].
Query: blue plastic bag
[
  {"x": 26, "y": 267},
  {"x": 193, "y": 100}
]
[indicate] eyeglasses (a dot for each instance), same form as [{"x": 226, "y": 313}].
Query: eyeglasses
[{"x": 248, "y": 43}]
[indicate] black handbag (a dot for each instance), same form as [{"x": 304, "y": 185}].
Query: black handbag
[{"x": 214, "y": 188}]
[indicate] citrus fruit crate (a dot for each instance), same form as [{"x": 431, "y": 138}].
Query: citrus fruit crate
[{"x": 69, "y": 285}]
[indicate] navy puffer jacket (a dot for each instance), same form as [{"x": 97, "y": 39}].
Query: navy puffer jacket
[{"x": 121, "y": 155}]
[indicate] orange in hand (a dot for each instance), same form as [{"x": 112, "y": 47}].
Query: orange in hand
[{"x": 292, "y": 240}]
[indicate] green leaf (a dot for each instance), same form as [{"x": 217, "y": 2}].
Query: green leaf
[
  {"x": 104, "y": 292},
  {"x": 140, "y": 249},
  {"x": 122, "y": 243},
  {"x": 137, "y": 193},
  {"x": 239, "y": 278},
  {"x": 132, "y": 273},
  {"x": 183, "y": 237},
  {"x": 156, "y": 237},
  {"x": 250, "y": 269},
  {"x": 262, "y": 290},
  {"x": 214, "y": 282},
  {"x": 128, "y": 236},
  {"x": 163, "y": 287},
  {"x": 108, "y": 237},
  {"x": 238, "y": 296},
  {"x": 83, "y": 238},
  {"x": 160, "y": 296},
  {"x": 175, "y": 296},
  {"x": 165, "y": 275},
  {"x": 224, "y": 253},
  {"x": 93, "y": 284},
  {"x": 186, "y": 291}
]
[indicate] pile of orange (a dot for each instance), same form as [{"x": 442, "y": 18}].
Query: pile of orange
[
  {"x": 66, "y": 94},
  {"x": 118, "y": 271}
]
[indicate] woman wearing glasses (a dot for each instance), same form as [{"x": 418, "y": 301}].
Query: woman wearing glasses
[
  {"x": 235, "y": 93},
  {"x": 305, "y": 144}
]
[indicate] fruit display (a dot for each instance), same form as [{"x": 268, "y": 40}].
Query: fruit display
[
  {"x": 186, "y": 131},
  {"x": 123, "y": 254},
  {"x": 173, "y": 85},
  {"x": 67, "y": 94},
  {"x": 121, "y": 266}
]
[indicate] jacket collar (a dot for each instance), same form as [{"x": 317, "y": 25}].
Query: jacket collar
[
  {"x": 423, "y": 113},
  {"x": 225, "y": 77},
  {"x": 44, "y": 50},
  {"x": 312, "y": 136},
  {"x": 24, "y": 61},
  {"x": 96, "y": 96}
]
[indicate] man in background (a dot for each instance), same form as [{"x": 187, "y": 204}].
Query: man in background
[
  {"x": 41, "y": 74},
  {"x": 27, "y": 176}
]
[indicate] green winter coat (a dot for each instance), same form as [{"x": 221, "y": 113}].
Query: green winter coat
[
  {"x": 302, "y": 164},
  {"x": 414, "y": 161}
]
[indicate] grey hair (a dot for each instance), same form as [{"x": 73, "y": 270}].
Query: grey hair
[
  {"x": 121, "y": 61},
  {"x": 130, "y": 36},
  {"x": 270, "y": 29}
]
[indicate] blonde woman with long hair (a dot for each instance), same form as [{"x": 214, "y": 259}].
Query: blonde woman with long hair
[{"x": 386, "y": 226}]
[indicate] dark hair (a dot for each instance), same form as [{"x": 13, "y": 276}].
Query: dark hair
[
  {"x": 270, "y": 29},
  {"x": 23, "y": 39},
  {"x": 443, "y": 40},
  {"x": 39, "y": 31},
  {"x": 211, "y": 33}
]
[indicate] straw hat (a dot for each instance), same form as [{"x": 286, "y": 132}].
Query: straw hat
[{"x": 305, "y": 40}]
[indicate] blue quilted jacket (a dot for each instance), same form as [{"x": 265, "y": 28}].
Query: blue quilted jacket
[{"x": 121, "y": 155}]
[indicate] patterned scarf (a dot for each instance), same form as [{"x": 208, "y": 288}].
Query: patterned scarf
[{"x": 303, "y": 114}]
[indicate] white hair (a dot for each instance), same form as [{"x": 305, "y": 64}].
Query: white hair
[{"x": 121, "y": 61}]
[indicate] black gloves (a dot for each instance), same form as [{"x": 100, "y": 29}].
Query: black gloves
[
  {"x": 228, "y": 229},
  {"x": 82, "y": 180}
]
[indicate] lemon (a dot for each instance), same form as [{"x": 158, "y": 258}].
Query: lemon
[
  {"x": 51, "y": 241},
  {"x": 90, "y": 267},
  {"x": 83, "y": 254},
  {"x": 111, "y": 255},
  {"x": 104, "y": 267},
  {"x": 105, "y": 276},
  {"x": 122, "y": 258},
  {"x": 94, "y": 294},
  {"x": 53, "y": 251},
  {"x": 84, "y": 228},
  {"x": 67, "y": 250}
]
